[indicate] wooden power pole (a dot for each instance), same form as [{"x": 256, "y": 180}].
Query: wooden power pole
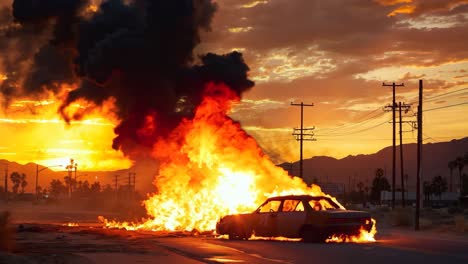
[
  {"x": 6, "y": 182},
  {"x": 393, "y": 107},
  {"x": 405, "y": 107},
  {"x": 419, "y": 157},
  {"x": 299, "y": 133}
]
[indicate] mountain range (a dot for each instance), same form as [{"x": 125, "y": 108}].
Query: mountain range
[
  {"x": 347, "y": 171},
  {"x": 361, "y": 168}
]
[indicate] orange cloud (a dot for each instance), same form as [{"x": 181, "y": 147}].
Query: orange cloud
[
  {"x": 421, "y": 6},
  {"x": 393, "y": 2},
  {"x": 406, "y": 9}
]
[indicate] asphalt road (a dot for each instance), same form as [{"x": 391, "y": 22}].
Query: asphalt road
[
  {"x": 86, "y": 245},
  {"x": 397, "y": 247}
]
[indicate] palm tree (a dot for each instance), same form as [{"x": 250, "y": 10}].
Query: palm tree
[
  {"x": 379, "y": 184},
  {"x": 23, "y": 183},
  {"x": 451, "y": 165},
  {"x": 439, "y": 186},
  {"x": 16, "y": 179},
  {"x": 460, "y": 164}
]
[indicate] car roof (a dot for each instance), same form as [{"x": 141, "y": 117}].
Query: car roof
[{"x": 299, "y": 197}]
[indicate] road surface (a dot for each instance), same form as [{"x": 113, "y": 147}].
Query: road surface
[{"x": 59, "y": 244}]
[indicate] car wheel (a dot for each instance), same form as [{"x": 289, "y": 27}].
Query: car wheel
[
  {"x": 240, "y": 234},
  {"x": 247, "y": 234},
  {"x": 312, "y": 235},
  {"x": 233, "y": 236}
]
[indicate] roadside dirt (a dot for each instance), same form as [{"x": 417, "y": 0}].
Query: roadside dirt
[
  {"x": 43, "y": 243},
  {"x": 60, "y": 234}
]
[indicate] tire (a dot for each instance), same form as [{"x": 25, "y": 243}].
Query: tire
[
  {"x": 247, "y": 234},
  {"x": 233, "y": 236},
  {"x": 239, "y": 233},
  {"x": 310, "y": 234}
]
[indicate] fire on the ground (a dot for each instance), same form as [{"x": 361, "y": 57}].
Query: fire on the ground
[{"x": 210, "y": 167}]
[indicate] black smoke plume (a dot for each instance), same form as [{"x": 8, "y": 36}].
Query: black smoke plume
[{"x": 139, "y": 53}]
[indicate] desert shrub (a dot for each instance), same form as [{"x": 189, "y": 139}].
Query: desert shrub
[{"x": 6, "y": 233}]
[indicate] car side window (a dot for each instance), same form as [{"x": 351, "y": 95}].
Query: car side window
[
  {"x": 299, "y": 207},
  {"x": 326, "y": 205},
  {"x": 322, "y": 204},
  {"x": 291, "y": 205},
  {"x": 316, "y": 206},
  {"x": 271, "y": 206}
]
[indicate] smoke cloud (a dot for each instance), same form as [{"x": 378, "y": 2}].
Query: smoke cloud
[{"x": 137, "y": 53}]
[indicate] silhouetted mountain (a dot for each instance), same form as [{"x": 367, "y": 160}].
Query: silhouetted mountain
[
  {"x": 145, "y": 171},
  {"x": 352, "y": 169},
  {"x": 29, "y": 169},
  {"x": 349, "y": 170}
]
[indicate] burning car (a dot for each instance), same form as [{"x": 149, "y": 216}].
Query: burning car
[{"x": 312, "y": 218}]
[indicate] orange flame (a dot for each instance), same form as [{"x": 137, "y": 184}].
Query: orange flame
[
  {"x": 363, "y": 237},
  {"x": 71, "y": 224},
  {"x": 92, "y": 8},
  {"x": 209, "y": 168}
]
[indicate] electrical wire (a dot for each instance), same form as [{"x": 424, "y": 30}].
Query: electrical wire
[
  {"x": 356, "y": 132},
  {"x": 351, "y": 126},
  {"x": 361, "y": 120},
  {"x": 445, "y": 94},
  {"x": 443, "y": 107}
]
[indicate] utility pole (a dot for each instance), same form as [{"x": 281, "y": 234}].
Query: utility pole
[
  {"x": 393, "y": 107},
  {"x": 70, "y": 167},
  {"x": 299, "y": 134},
  {"x": 76, "y": 170},
  {"x": 6, "y": 182},
  {"x": 116, "y": 182},
  {"x": 419, "y": 163},
  {"x": 37, "y": 180},
  {"x": 406, "y": 108},
  {"x": 129, "y": 181}
]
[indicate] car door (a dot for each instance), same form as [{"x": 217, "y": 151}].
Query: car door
[
  {"x": 291, "y": 218},
  {"x": 265, "y": 223}
]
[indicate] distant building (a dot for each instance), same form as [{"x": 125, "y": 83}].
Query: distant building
[
  {"x": 334, "y": 189},
  {"x": 446, "y": 198}
]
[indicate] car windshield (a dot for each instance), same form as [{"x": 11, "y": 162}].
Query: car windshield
[
  {"x": 270, "y": 206},
  {"x": 320, "y": 204}
]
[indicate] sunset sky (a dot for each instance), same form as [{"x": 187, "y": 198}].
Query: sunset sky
[{"x": 332, "y": 53}]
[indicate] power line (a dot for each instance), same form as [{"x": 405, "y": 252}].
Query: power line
[
  {"x": 346, "y": 133},
  {"x": 432, "y": 98},
  {"x": 359, "y": 131},
  {"x": 446, "y": 97},
  {"x": 352, "y": 126},
  {"x": 444, "y": 94},
  {"x": 443, "y": 107}
]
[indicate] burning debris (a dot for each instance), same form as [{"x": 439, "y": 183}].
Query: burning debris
[{"x": 363, "y": 237}]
